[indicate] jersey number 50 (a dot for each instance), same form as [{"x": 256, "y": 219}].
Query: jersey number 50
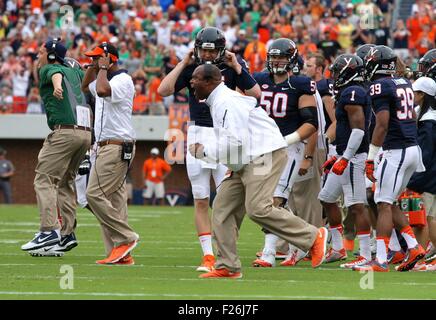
[
  {"x": 406, "y": 95},
  {"x": 277, "y": 102}
]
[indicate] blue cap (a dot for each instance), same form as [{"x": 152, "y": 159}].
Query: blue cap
[{"x": 60, "y": 50}]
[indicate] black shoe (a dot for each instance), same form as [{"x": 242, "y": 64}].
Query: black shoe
[{"x": 67, "y": 243}]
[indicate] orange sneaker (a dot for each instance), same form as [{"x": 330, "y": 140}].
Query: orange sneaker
[
  {"x": 319, "y": 247},
  {"x": 208, "y": 263},
  {"x": 412, "y": 257},
  {"x": 349, "y": 245},
  {"x": 118, "y": 253},
  {"x": 126, "y": 261},
  {"x": 221, "y": 273}
]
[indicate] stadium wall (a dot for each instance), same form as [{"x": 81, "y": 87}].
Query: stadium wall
[{"x": 23, "y": 135}]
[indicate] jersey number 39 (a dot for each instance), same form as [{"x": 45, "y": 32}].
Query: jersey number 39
[{"x": 406, "y": 95}]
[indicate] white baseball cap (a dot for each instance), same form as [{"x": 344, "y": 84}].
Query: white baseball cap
[
  {"x": 155, "y": 151},
  {"x": 426, "y": 85}
]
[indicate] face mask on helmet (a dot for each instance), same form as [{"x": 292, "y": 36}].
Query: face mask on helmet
[
  {"x": 380, "y": 60},
  {"x": 278, "y": 64},
  {"x": 207, "y": 46},
  {"x": 346, "y": 69}
]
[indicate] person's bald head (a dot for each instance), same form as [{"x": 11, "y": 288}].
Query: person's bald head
[{"x": 205, "y": 79}]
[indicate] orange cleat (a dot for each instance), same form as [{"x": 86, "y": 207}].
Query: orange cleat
[
  {"x": 356, "y": 262},
  {"x": 372, "y": 266},
  {"x": 126, "y": 261},
  {"x": 397, "y": 257},
  {"x": 349, "y": 245},
  {"x": 319, "y": 248},
  {"x": 208, "y": 263},
  {"x": 279, "y": 255},
  {"x": 334, "y": 256},
  {"x": 261, "y": 263},
  {"x": 412, "y": 257},
  {"x": 118, "y": 253},
  {"x": 221, "y": 273}
]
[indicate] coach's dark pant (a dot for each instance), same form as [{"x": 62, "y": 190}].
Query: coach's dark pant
[{"x": 5, "y": 186}]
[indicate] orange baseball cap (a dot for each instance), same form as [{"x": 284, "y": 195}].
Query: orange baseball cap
[{"x": 99, "y": 51}]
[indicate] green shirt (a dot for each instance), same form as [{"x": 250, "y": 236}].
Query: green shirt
[{"x": 61, "y": 111}]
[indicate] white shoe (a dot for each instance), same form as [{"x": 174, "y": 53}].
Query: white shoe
[
  {"x": 42, "y": 239},
  {"x": 48, "y": 251},
  {"x": 267, "y": 260}
]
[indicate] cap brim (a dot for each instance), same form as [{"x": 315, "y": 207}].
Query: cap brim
[{"x": 97, "y": 51}]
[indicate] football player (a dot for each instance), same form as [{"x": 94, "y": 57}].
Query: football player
[
  {"x": 346, "y": 171},
  {"x": 395, "y": 130},
  {"x": 290, "y": 101},
  {"x": 210, "y": 47},
  {"x": 427, "y": 65}
]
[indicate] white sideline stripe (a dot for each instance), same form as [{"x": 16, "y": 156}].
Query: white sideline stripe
[{"x": 118, "y": 294}]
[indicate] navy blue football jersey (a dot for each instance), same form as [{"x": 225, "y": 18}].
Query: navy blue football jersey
[
  {"x": 199, "y": 111},
  {"x": 352, "y": 95},
  {"x": 325, "y": 88},
  {"x": 396, "y": 96},
  {"x": 280, "y": 100}
]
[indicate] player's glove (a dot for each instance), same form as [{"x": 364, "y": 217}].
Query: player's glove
[
  {"x": 369, "y": 170},
  {"x": 327, "y": 166},
  {"x": 340, "y": 166},
  {"x": 85, "y": 166}
]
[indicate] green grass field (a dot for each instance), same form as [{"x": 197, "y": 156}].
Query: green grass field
[{"x": 166, "y": 258}]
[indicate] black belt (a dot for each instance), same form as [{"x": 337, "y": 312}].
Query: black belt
[{"x": 72, "y": 126}]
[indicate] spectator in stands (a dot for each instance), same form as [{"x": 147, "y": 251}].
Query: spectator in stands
[
  {"x": 6, "y": 100},
  {"x": 7, "y": 170},
  {"x": 20, "y": 83},
  {"x": 155, "y": 171},
  {"x": 140, "y": 102},
  {"x": 400, "y": 40},
  {"x": 34, "y": 101},
  {"x": 156, "y": 101},
  {"x": 382, "y": 33}
]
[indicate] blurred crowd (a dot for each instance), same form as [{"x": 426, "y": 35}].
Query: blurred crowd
[{"x": 153, "y": 35}]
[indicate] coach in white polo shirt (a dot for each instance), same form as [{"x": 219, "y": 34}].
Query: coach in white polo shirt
[
  {"x": 250, "y": 143},
  {"x": 113, "y": 90}
]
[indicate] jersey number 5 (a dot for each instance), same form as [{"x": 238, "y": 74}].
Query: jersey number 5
[
  {"x": 406, "y": 95},
  {"x": 274, "y": 104}
]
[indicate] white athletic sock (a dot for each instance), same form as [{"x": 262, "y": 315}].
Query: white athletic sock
[
  {"x": 382, "y": 255},
  {"x": 270, "y": 243},
  {"x": 337, "y": 240},
  {"x": 206, "y": 243},
  {"x": 364, "y": 245},
  {"x": 409, "y": 236},
  {"x": 394, "y": 244}
]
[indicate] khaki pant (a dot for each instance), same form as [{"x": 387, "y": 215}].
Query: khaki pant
[
  {"x": 58, "y": 162},
  {"x": 107, "y": 196},
  {"x": 303, "y": 199},
  {"x": 252, "y": 192}
]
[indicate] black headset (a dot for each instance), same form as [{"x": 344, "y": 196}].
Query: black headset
[{"x": 51, "y": 54}]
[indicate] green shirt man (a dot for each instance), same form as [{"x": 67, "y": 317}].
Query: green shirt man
[{"x": 61, "y": 111}]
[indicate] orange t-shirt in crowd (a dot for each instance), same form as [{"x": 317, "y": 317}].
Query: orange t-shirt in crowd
[
  {"x": 140, "y": 103},
  {"x": 154, "y": 169},
  {"x": 152, "y": 90}
]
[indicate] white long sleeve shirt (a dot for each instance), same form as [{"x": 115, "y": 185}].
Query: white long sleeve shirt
[{"x": 243, "y": 130}]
